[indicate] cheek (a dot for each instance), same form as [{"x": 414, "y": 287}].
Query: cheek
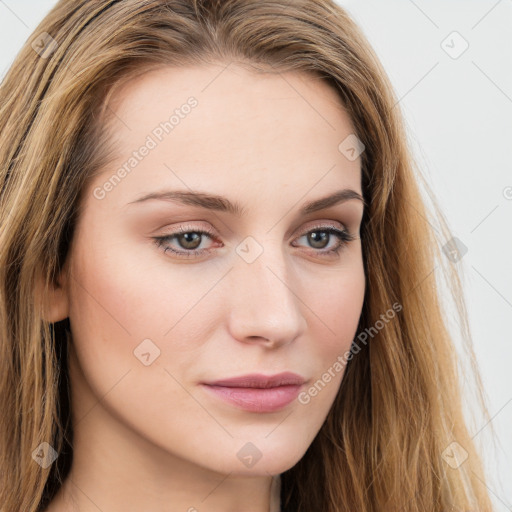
[
  {"x": 337, "y": 307},
  {"x": 115, "y": 308},
  {"x": 119, "y": 301},
  {"x": 132, "y": 292}
]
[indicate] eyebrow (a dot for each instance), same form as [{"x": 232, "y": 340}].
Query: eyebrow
[{"x": 222, "y": 204}]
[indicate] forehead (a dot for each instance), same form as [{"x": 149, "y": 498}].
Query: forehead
[
  {"x": 246, "y": 130},
  {"x": 235, "y": 82}
]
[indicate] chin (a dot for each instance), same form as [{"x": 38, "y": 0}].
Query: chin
[{"x": 263, "y": 461}]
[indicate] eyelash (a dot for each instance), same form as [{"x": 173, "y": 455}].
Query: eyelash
[{"x": 343, "y": 235}]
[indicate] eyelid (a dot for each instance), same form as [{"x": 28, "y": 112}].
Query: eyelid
[
  {"x": 322, "y": 224},
  {"x": 311, "y": 225},
  {"x": 186, "y": 228}
]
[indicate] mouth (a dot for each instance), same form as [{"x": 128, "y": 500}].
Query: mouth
[{"x": 256, "y": 392}]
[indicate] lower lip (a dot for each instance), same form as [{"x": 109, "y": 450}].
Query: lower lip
[{"x": 257, "y": 400}]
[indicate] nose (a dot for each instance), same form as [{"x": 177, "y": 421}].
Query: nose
[{"x": 264, "y": 306}]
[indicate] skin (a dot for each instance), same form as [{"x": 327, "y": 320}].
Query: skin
[{"x": 151, "y": 437}]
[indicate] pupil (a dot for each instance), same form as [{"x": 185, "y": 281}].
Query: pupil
[
  {"x": 318, "y": 236},
  {"x": 189, "y": 240}
]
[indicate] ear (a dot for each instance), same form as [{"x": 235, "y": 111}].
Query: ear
[{"x": 55, "y": 300}]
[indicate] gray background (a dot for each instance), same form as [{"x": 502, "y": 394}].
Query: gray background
[{"x": 458, "y": 110}]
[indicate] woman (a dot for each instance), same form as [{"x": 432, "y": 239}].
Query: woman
[{"x": 217, "y": 280}]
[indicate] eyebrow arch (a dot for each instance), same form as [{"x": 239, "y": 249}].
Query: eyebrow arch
[{"x": 222, "y": 204}]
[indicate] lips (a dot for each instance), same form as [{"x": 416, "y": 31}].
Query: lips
[
  {"x": 260, "y": 381},
  {"x": 256, "y": 392}
]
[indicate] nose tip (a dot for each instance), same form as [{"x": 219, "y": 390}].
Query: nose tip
[{"x": 264, "y": 308}]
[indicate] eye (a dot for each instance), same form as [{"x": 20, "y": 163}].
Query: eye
[
  {"x": 189, "y": 240},
  {"x": 320, "y": 236}
]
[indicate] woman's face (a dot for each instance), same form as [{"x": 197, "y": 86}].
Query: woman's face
[{"x": 168, "y": 293}]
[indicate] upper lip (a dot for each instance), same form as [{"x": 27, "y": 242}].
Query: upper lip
[{"x": 256, "y": 380}]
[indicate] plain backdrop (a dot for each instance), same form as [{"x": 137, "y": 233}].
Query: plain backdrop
[{"x": 450, "y": 63}]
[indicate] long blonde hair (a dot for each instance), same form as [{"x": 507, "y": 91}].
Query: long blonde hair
[{"x": 399, "y": 406}]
